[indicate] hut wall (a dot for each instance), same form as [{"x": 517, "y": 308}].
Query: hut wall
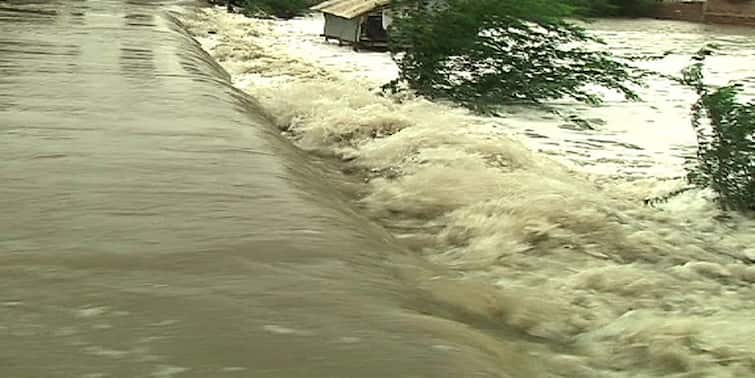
[{"x": 342, "y": 28}]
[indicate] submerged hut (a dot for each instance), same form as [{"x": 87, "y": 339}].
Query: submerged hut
[{"x": 360, "y": 23}]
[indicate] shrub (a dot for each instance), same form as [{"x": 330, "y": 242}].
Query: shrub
[
  {"x": 614, "y": 8},
  {"x": 726, "y": 142},
  {"x": 278, "y": 8}
]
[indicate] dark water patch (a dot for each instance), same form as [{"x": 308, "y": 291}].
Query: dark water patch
[
  {"x": 535, "y": 135},
  {"x": 578, "y": 153},
  {"x": 140, "y": 20},
  {"x": 28, "y": 11},
  {"x": 629, "y": 146},
  {"x": 584, "y": 144},
  {"x": 617, "y": 143},
  {"x": 571, "y": 126}
]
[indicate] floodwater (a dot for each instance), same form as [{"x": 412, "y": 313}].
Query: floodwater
[
  {"x": 650, "y": 138},
  {"x": 156, "y": 221},
  {"x": 653, "y": 137}
]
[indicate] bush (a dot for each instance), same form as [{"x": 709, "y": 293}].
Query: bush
[
  {"x": 635, "y": 8},
  {"x": 485, "y": 53},
  {"x": 614, "y": 8},
  {"x": 278, "y": 8},
  {"x": 594, "y": 8},
  {"x": 726, "y": 143}
]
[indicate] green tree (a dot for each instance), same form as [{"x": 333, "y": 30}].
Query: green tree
[
  {"x": 726, "y": 142},
  {"x": 594, "y": 8},
  {"x": 278, "y": 8},
  {"x": 484, "y": 53},
  {"x": 614, "y": 8}
]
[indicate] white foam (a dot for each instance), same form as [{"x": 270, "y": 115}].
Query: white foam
[
  {"x": 90, "y": 312},
  {"x": 167, "y": 371}
]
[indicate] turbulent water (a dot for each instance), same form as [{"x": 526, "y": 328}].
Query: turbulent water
[
  {"x": 157, "y": 221},
  {"x": 650, "y": 138}
]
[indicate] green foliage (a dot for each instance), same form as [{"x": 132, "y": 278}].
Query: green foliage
[
  {"x": 278, "y": 8},
  {"x": 594, "y": 8},
  {"x": 726, "y": 144},
  {"x": 635, "y": 8},
  {"x": 485, "y": 53},
  {"x": 614, "y": 8}
]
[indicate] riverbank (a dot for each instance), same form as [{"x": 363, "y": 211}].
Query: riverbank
[{"x": 561, "y": 256}]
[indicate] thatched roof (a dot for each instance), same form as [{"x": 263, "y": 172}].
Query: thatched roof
[{"x": 349, "y": 8}]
